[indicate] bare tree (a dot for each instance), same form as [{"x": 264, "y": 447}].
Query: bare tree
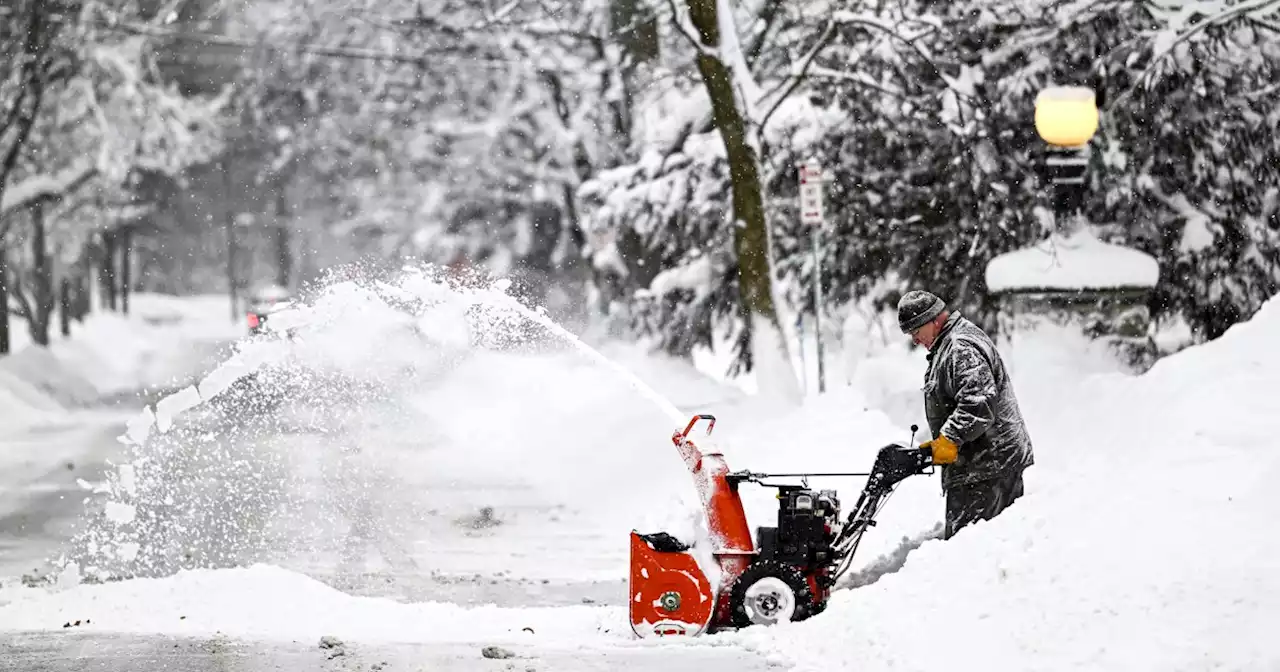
[
  {"x": 740, "y": 110},
  {"x": 90, "y": 111},
  {"x": 31, "y": 61}
]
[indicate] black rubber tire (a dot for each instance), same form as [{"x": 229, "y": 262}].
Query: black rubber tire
[
  {"x": 764, "y": 569},
  {"x": 816, "y": 608}
]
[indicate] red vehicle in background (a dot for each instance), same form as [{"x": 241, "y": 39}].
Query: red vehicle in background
[{"x": 263, "y": 302}]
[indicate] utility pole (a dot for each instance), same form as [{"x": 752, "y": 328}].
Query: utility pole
[{"x": 813, "y": 214}]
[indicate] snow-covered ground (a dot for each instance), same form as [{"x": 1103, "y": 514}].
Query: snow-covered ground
[
  {"x": 354, "y": 505},
  {"x": 164, "y": 341},
  {"x": 1141, "y": 543}
]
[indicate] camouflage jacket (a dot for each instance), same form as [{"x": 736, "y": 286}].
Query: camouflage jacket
[{"x": 969, "y": 398}]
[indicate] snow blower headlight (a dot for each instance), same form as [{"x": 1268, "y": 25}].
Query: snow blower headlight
[{"x": 804, "y": 503}]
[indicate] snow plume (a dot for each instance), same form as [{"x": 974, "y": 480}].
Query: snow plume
[
  {"x": 332, "y": 426},
  {"x": 214, "y": 475}
]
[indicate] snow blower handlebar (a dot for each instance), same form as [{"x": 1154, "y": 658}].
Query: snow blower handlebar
[
  {"x": 894, "y": 463},
  {"x": 754, "y": 477}
]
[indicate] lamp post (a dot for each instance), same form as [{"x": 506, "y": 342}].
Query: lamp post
[{"x": 1067, "y": 118}]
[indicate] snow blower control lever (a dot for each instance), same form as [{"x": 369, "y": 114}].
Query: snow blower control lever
[{"x": 783, "y": 572}]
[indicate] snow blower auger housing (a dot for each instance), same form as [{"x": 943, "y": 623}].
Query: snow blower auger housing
[{"x": 783, "y": 572}]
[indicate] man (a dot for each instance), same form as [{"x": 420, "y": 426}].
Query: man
[{"x": 979, "y": 435}]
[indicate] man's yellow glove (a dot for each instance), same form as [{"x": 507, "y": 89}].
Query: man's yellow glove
[{"x": 945, "y": 451}]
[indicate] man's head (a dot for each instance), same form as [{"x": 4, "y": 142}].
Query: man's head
[{"x": 922, "y": 315}]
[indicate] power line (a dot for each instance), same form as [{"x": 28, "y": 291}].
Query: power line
[{"x": 341, "y": 53}]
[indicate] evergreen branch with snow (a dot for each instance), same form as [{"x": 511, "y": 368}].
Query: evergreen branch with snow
[
  {"x": 1166, "y": 41},
  {"x": 912, "y": 41},
  {"x": 783, "y": 91}
]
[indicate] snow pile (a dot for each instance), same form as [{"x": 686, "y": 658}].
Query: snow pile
[
  {"x": 258, "y": 601},
  {"x": 21, "y": 402},
  {"x": 1077, "y": 261},
  {"x": 890, "y": 381},
  {"x": 1140, "y": 544},
  {"x": 163, "y": 341},
  {"x": 59, "y": 382},
  {"x": 112, "y": 353},
  {"x": 1049, "y": 362}
]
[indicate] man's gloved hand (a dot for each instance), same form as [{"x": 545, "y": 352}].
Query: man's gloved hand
[
  {"x": 895, "y": 464},
  {"x": 941, "y": 450}
]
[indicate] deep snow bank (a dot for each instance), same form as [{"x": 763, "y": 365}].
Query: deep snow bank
[
  {"x": 1143, "y": 542},
  {"x": 165, "y": 340}
]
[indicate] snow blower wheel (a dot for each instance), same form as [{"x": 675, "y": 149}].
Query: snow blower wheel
[{"x": 770, "y": 592}]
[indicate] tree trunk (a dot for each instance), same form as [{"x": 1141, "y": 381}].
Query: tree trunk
[
  {"x": 42, "y": 302},
  {"x": 32, "y": 80},
  {"x": 635, "y": 25},
  {"x": 751, "y": 237},
  {"x": 4, "y": 300},
  {"x": 126, "y": 267},
  {"x": 64, "y": 305},
  {"x": 82, "y": 304},
  {"x": 229, "y": 224},
  {"x": 284, "y": 257},
  {"x": 84, "y": 281},
  {"x": 107, "y": 272},
  {"x": 23, "y": 111}
]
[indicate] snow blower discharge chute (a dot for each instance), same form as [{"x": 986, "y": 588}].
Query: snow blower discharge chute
[{"x": 785, "y": 573}]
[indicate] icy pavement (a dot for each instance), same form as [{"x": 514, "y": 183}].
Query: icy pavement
[
  {"x": 220, "y": 653},
  {"x": 41, "y": 499}
]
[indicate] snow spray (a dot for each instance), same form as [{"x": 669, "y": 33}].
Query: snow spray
[{"x": 640, "y": 386}]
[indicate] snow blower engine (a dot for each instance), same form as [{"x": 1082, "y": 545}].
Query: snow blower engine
[{"x": 784, "y": 573}]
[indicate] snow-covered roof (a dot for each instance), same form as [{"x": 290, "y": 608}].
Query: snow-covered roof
[{"x": 1078, "y": 261}]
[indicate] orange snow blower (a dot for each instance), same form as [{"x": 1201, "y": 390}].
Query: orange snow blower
[{"x": 785, "y": 573}]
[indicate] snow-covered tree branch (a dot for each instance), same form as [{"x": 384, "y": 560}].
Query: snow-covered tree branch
[{"x": 90, "y": 112}]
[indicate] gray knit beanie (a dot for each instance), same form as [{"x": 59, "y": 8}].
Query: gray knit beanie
[{"x": 916, "y": 308}]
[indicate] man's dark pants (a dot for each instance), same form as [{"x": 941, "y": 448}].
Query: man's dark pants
[{"x": 982, "y": 500}]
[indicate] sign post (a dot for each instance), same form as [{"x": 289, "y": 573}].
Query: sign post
[{"x": 813, "y": 215}]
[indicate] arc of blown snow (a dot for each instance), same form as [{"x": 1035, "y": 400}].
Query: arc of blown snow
[{"x": 246, "y": 361}]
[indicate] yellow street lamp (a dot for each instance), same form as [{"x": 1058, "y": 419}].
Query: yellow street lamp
[{"x": 1066, "y": 116}]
